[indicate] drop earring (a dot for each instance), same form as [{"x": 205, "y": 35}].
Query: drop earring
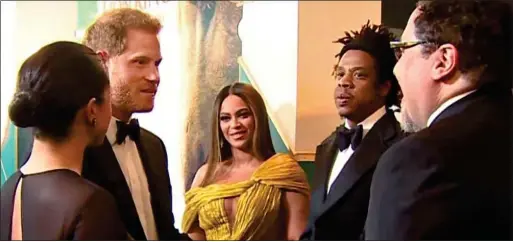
[{"x": 93, "y": 122}]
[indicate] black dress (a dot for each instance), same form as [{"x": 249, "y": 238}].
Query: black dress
[{"x": 60, "y": 205}]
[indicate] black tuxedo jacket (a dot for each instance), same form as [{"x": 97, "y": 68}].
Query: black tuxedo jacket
[
  {"x": 102, "y": 168},
  {"x": 341, "y": 214},
  {"x": 452, "y": 180}
]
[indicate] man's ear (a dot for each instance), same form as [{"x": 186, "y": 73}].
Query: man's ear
[
  {"x": 446, "y": 61},
  {"x": 384, "y": 88},
  {"x": 103, "y": 54},
  {"x": 104, "y": 57}
]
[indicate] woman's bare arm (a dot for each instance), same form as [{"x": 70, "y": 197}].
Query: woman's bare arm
[
  {"x": 196, "y": 233},
  {"x": 298, "y": 207}
]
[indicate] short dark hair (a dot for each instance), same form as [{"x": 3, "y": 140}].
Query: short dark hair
[
  {"x": 375, "y": 40},
  {"x": 479, "y": 29},
  {"x": 53, "y": 84}
]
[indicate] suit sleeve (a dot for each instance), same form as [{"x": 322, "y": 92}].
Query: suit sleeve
[
  {"x": 411, "y": 195},
  {"x": 173, "y": 233}
]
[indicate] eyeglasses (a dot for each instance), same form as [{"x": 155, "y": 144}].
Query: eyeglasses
[{"x": 400, "y": 46}]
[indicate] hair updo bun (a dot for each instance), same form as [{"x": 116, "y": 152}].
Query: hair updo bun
[
  {"x": 53, "y": 85},
  {"x": 22, "y": 108}
]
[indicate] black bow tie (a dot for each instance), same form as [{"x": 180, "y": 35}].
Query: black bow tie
[
  {"x": 131, "y": 129},
  {"x": 348, "y": 137}
]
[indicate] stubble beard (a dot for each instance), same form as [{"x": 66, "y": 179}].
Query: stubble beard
[{"x": 407, "y": 123}]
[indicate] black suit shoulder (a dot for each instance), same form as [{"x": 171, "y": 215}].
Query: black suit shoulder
[
  {"x": 450, "y": 181},
  {"x": 321, "y": 151},
  {"x": 155, "y": 142},
  {"x": 330, "y": 138},
  {"x": 324, "y": 147},
  {"x": 411, "y": 146},
  {"x": 482, "y": 126},
  {"x": 476, "y": 134},
  {"x": 149, "y": 136}
]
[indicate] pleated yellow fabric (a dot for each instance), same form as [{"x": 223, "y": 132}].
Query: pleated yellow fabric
[{"x": 258, "y": 205}]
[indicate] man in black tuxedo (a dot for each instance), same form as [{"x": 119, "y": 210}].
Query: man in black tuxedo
[
  {"x": 365, "y": 90},
  {"x": 452, "y": 179},
  {"x": 132, "y": 162}
]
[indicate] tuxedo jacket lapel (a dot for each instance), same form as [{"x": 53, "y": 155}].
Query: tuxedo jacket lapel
[
  {"x": 151, "y": 175},
  {"x": 154, "y": 160},
  {"x": 103, "y": 159},
  {"x": 363, "y": 160},
  {"x": 325, "y": 153},
  {"x": 329, "y": 154}
]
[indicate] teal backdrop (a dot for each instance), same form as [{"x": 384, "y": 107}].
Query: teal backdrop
[{"x": 8, "y": 163}]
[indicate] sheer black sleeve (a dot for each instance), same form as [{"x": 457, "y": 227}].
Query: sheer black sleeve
[{"x": 99, "y": 219}]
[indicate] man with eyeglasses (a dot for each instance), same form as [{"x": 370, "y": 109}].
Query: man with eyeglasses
[
  {"x": 365, "y": 90},
  {"x": 452, "y": 179}
]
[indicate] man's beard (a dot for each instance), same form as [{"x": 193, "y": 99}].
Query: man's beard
[{"x": 407, "y": 124}]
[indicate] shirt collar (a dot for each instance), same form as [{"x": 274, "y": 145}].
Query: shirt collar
[
  {"x": 369, "y": 122},
  {"x": 445, "y": 105},
  {"x": 112, "y": 130}
]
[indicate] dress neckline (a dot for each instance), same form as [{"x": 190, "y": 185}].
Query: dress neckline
[
  {"x": 46, "y": 172},
  {"x": 239, "y": 182}
]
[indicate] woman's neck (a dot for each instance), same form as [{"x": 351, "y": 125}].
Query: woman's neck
[
  {"x": 49, "y": 155},
  {"x": 242, "y": 157}
]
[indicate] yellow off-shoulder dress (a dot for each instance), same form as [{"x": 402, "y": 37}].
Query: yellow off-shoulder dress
[{"x": 258, "y": 205}]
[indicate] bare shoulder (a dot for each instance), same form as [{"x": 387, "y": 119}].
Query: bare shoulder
[{"x": 200, "y": 175}]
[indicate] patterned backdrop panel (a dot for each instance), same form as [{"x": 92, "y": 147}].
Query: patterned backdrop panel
[{"x": 213, "y": 47}]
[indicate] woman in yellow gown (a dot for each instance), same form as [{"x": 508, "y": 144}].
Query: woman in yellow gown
[{"x": 245, "y": 191}]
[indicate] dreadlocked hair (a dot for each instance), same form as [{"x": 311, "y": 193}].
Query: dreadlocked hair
[{"x": 375, "y": 40}]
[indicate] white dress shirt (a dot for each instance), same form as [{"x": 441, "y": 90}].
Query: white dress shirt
[
  {"x": 445, "y": 105},
  {"x": 343, "y": 156},
  {"x": 133, "y": 170}
]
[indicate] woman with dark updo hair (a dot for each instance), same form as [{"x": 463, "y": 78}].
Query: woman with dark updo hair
[{"x": 63, "y": 94}]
